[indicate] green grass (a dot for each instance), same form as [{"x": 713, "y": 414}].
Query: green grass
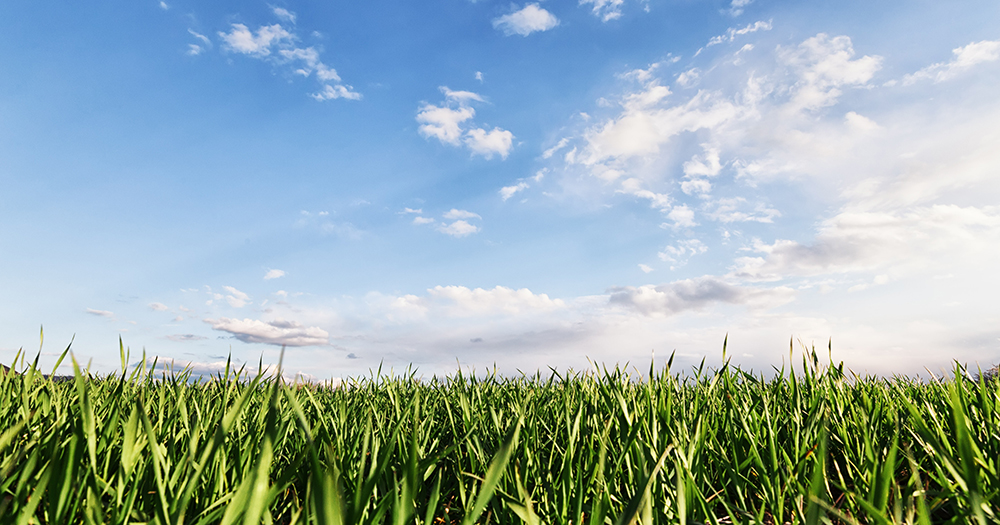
[{"x": 810, "y": 445}]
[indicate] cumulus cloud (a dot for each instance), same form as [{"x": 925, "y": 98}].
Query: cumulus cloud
[
  {"x": 694, "y": 294},
  {"x": 964, "y": 59},
  {"x": 240, "y": 39},
  {"x": 486, "y": 143},
  {"x": 682, "y": 217},
  {"x": 278, "y": 332},
  {"x": 158, "y": 307},
  {"x": 529, "y": 19},
  {"x": 446, "y": 122},
  {"x": 423, "y": 220},
  {"x": 273, "y": 274},
  {"x": 443, "y": 123},
  {"x": 458, "y": 228}
]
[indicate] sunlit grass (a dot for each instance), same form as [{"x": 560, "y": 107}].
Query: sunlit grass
[{"x": 813, "y": 444}]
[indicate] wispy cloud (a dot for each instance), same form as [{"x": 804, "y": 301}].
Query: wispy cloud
[
  {"x": 964, "y": 59},
  {"x": 101, "y": 313},
  {"x": 733, "y": 32},
  {"x": 186, "y": 337},
  {"x": 278, "y": 45},
  {"x": 606, "y": 10},
  {"x": 236, "y": 298}
]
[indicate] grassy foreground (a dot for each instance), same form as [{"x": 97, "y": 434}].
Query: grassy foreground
[{"x": 814, "y": 445}]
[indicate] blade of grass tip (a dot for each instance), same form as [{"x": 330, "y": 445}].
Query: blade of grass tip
[
  {"x": 631, "y": 512},
  {"x": 494, "y": 473},
  {"x": 121, "y": 353},
  {"x": 63, "y": 355}
]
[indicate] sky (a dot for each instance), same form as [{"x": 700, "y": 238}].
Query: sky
[{"x": 496, "y": 185}]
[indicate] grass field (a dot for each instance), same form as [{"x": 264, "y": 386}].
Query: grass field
[{"x": 810, "y": 445}]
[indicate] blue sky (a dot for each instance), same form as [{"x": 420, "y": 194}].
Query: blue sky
[{"x": 491, "y": 183}]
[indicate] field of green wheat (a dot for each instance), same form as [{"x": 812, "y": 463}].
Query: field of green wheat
[{"x": 808, "y": 444}]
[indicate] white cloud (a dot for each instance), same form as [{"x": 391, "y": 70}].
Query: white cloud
[
  {"x": 529, "y": 19},
  {"x": 194, "y": 49},
  {"x": 240, "y": 39},
  {"x": 855, "y": 241},
  {"x": 633, "y": 186},
  {"x": 417, "y": 211},
  {"x": 645, "y": 268},
  {"x": 824, "y": 65},
  {"x": 276, "y": 44},
  {"x": 694, "y": 294},
  {"x": 462, "y": 301},
  {"x": 310, "y": 62},
  {"x": 278, "y": 332},
  {"x": 158, "y": 307},
  {"x": 422, "y": 220},
  {"x": 486, "y": 143},
  {"x": 689, "y": 77},
  {"x": 965, "y": 58},
  {"x": 736, "y": 6},
  {"x": 443, "y": 123},
  {"x": 236, "y": 298},
  {"x": 479, "y": 76},
  {"x": 729, "y": 210},
  {"x": 164, "y": 6},
  {"x": 204, "y": 39},
  {"x": 682, "y": 216},
  {"x": 462, "y": 97},
  {"x": 606, "y": 10},
  {"x": 338, "y": 91},
  {"x": 681, "y": 252},
  {"x": 101, "y": 313},
  {"x": 458, "y": 228},
  {"x": 461, "y": 214},
  {"x": 284, "y": 14},
  {"x": 732, "y": 32},
  {"x": 508, "y": 191},
  {"x": 559, "y": 145},
  {"x": 273, "y": 274}
]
